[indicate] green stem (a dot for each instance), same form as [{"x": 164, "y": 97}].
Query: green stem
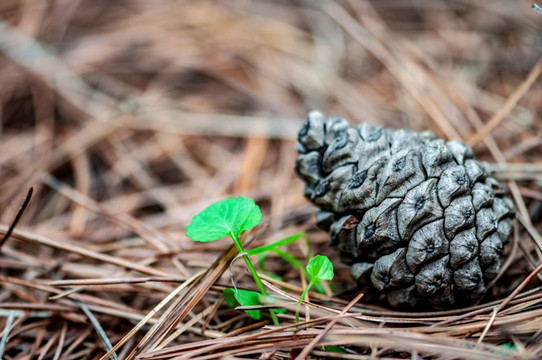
[
  {"x": 303, "y": 294},
  {"x": 254, "y": 274}
]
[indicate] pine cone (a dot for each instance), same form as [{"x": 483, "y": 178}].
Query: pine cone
[{"x": 415, "y": 217}]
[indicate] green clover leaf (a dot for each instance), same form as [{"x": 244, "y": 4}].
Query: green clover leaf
[
  {"x": 223, "y": 218},
  {"x": 320, "y": 268},
  {"x": 244, "y": 298}
]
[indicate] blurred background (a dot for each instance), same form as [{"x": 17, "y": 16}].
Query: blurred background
[
  {"x": 154, "y": 98},
  {"x": 127, "y": 117}
]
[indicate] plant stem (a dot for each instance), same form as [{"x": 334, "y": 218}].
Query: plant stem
[
  {"x": 254, "y": 274},
  {"x": 301, "y": 297}
]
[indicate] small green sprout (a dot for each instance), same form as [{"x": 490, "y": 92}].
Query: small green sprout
[
  {"x": 229, "y": 217},
  {"x": 319, "y": 269},
  {"x": 274, "y": 248}
]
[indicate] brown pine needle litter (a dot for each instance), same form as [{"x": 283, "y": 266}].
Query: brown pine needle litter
[{"x": 129, "y": 117}]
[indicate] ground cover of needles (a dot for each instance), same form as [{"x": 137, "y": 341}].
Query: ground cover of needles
[{"x": 128, "y": 118}]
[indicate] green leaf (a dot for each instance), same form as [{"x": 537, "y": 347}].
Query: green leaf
[
  {"x": 275, "y": 245},
  {"x": 244, "y": 298},
  {"x": 261, "y": 263},
  {"x": 289, "y": 258},
  {"x": 229, "y": 297},
  {"x": 248, "y": 298},
  {"x": 320, "y": 268},
  {"x": 222, "y": 218},
  {"x": 507, "y": 349},
  {"x": 509, "y": 345},
  {"x": 334, "y": 348}
]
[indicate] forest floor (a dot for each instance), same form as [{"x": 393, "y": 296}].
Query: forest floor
[{"x": 129, "y": 117}]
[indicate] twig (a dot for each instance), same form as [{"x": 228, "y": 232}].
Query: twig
[
  {"x": 84, "y": 252},
  {"x": 152, "y": 236},
  {"x": 99, "y": 329},
  {"x": 150, "y": 315},
  {"x": 17, "y": 217},
  {"x": 317, "y": 338},
  {"x": 509, "y": 298},
  {"x": 508, "y": 105},
  {"x": 5, "y": 335},
  {"x": 62, "y": 340},
  {"x": 97, "y": 282}
]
